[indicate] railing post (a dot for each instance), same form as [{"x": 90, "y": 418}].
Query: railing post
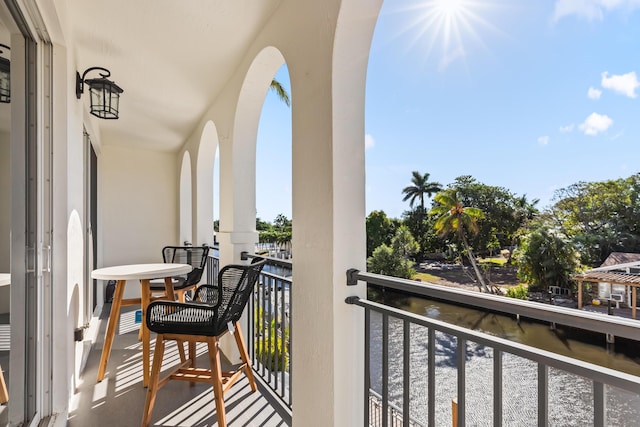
[
  {"x": 599, "y": 405},
  {"x": 462, "y": 379},
  {"x": 497, "y": 387},
  {"x": 543, "y": 398},
  {"x": 431, "y": 377},
  {"x": 406, "y": 351}
]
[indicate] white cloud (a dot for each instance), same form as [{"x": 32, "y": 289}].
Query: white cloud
[
  {"x": 596, "y": 123},
  {"x": 369, "y": 142},
  {"x": 591, "y": 10},
  {"x": 625, "y": 84},
  {"x": 594, "y": 93},
  {"x": 543, "y": 140},
  {"x": 567, "y": 128}
]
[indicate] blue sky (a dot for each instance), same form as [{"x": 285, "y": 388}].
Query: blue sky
[{"x": 530, "y": 95}]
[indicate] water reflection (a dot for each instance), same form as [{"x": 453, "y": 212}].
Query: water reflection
[
  {"x": 570, "y": 396},
  {"x": 583, "y": 345}
]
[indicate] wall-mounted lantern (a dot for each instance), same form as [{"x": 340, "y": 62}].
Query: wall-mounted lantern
[
  {"x": 5, "y": 75},
  {"x": 105, "y": 94}
]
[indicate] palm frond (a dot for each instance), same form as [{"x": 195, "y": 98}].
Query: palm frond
[{"x": 282, "y": 93}]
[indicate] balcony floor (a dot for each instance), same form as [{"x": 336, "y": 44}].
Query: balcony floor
[{"x": 119, "y": 399}]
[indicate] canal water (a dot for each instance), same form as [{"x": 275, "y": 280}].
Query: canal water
[{"x": 570, "y": 396}]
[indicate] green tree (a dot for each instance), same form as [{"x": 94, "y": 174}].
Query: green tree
[
  {"x": 524, "y": 212},
  {"x": 600, "y": 217},
  {"x": 420, "y": 186},
  {"x": 545, "y": 259},
  {"x": 380, "y": 230},
  {"x": 421, "y": 226},
  {"x": 395, "y": 260},
  {"x": 404, "y": 244},
  {"x": 498, "y": 205},
  {"x": 455, "y": 218},
  {"x": 263, "y": 225}
]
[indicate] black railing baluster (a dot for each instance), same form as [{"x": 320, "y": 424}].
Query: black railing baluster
[
  {"x": 599, "y": 405},
  {"x": 497, "y": 387},
  {"x": 367, "y": 366},
  {"x": 462, "y": 379},
  {"x": 543, "y": 401},
  {"x": 431, "y": 378},
  {"x": 385, "y": 370},
  {"x": 406, "y": 344}
]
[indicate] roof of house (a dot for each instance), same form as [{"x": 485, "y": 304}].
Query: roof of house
[
  {"x": 616, "y": 258},
  {"x": 623, "y": 261}
]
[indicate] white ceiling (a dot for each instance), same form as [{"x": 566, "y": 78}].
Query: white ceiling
[{"x": 171, "y": 57}]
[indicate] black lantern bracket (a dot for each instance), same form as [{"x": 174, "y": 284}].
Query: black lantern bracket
[
  {"x": 105, "y": 94},
  {"x": 80, "y": 81}
]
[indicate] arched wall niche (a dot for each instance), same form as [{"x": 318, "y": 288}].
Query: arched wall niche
[
  {"x": 238, "y": 158},
  {"x": 205, "y": 184},
  {"x": 186, "y": 220}
]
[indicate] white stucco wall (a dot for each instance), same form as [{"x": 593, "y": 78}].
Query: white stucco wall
[
  {"x": 5, "y": 214},
  {"x": 138, "y": 201}
]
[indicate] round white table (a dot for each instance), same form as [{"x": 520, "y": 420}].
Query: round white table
[{"x": 144, "y": 273}]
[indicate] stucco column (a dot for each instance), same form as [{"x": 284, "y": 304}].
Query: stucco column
[
  {"x": 329, "y": 222},
  {"x": 237, "y": 212}
]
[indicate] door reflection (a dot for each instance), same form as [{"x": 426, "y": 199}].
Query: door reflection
[{"x": 5, "y": 219}]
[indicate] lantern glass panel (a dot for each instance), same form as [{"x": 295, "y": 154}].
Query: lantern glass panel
[
  {"x": 105, "y": 98},
  {"x": 5, "y": 80}
]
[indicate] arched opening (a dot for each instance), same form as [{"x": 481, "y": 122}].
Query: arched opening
[
  {"x": 205, "y": 187},
  {"x": 273, "y": 171},
  {"x": 238, "y": 161},
  {"x": 186, "y": 221}
]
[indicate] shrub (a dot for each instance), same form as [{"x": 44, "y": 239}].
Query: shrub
[
  {"x": 519, "y": 292},
  {"x": 266, "y": 352},
  {"x": 270, "y": 341}
]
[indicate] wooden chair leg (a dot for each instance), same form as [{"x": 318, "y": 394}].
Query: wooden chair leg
[
  {"x": 158, "y": 354},
  {"x": 192, "y": 353},
  {"x": 216, "y": 379},
  {"x": 183, "y": 356},
  {"x": 242, "y": 348},
  {"x": 4, "y": 395}
]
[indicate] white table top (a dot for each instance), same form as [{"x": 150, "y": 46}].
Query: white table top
[
  {"x": 140, "y": 271},
  {"x": 5, "y": 279}
]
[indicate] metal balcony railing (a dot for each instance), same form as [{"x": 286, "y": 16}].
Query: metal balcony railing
[
  {"x": 399, "y": 342},
  {"x": 269, "y": 319}
]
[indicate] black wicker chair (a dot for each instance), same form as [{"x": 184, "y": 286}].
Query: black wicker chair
[
  {"x": 214, "y": 311},
  {"x": 195, "y": 256}
]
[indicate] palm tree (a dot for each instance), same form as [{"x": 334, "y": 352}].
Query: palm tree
[
  {"x": 453, "y": 217},
  {"x": 420, "y": 187},
  {"x": 282, "y": 93}
]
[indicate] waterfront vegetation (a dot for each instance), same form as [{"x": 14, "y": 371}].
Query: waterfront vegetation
[{"x": 469, "y": 221}]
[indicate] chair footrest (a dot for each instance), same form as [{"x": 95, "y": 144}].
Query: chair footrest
[{"x": 205, "y": 375}]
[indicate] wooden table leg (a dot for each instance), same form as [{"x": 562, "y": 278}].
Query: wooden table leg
[
  {"x": 4, "y": 395},
  {"x": 169, "y": 293},
  {"x": 114, "y": 316},
  {"x": 146, "y": 298}
]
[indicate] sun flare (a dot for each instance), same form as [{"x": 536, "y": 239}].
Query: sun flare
[{"x": 448, "y": 27}]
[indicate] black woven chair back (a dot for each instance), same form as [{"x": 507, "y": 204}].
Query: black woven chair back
[
  {"x": 213, "y": 308},
  {"x": 235, "y": 284},
  {"x": 196, "y": 256}
]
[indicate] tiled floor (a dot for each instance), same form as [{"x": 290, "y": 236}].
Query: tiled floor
[{"x": 119, "y": 399}]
